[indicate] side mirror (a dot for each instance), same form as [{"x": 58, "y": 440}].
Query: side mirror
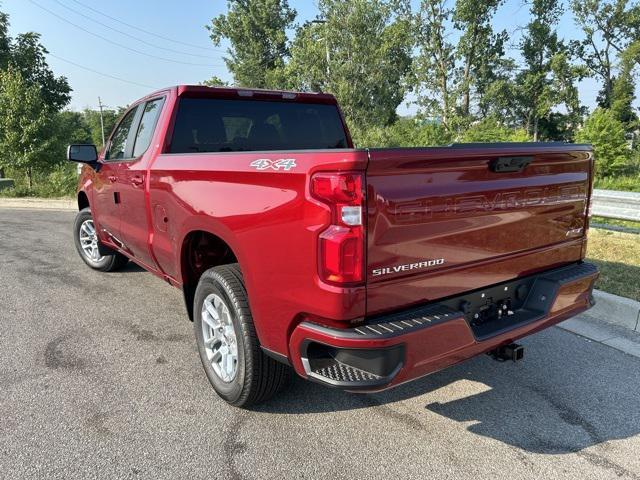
[{"x": 82, "y": 153}]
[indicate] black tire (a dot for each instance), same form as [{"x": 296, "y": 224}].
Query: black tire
[
  {"x": 108, "y": 262},
  {"x": 257, "y": 377}
]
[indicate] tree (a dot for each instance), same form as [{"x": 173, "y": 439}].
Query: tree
[
  {"x": 435, "y": 62},
  {"x": 5, "y": 41},
  {"x": 26, "y": 126},
  {"x": 624, "y": 85},
  {"x": 28, "y": 57},
  {"x": 256, "y": 30},
  {"x": 215, "y": 81},
  {"x": 360, "y": 52},
  {"x": 607, "y": 136},
  {"x": 478, "y": 48},
  {"x": 459, "y": 82},
  {"x": 609, "y": 27},
  {"x": 543, "y": 54},
  {"x": 73, "y": 128}
]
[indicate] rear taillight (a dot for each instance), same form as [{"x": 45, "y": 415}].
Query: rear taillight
[{"x": 341, "y": 245}]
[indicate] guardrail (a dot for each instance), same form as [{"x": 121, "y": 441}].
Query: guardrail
[{"x": 614, "y": 204}]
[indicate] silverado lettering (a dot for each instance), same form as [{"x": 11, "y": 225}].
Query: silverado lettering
[
  {"x": 405, "y": 268},
  {"x": 321, "y": 271}
]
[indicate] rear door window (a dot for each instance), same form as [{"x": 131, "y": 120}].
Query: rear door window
[
  {"x": 147, "y": 126},
  {"x": 222, "y": 125}
]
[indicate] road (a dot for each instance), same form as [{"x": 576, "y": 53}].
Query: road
[{"x": 100, "y": 378}]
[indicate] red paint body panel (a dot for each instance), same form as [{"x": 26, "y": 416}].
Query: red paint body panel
[
  {"x": 270, "y": 222},
  {"x": 487, "y": 227},
  {"x": 421, "y": 204}
]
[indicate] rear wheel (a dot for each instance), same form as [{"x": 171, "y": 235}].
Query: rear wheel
[
  {"x": 235, "y": 365},
  {"x": 86, "y": 241}
]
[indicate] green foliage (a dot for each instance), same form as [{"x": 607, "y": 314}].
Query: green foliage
[
  {"x": 435, "y": 62},
  {"x": 215, "y": 82},
  {"x": 629, "y": 183},
  {"x": 91, "y": 119},
  {"x": 73, "y": 128},
  {"x": 61, "y": 181},
  {"x": 31, "y": 129},
  {"x": 479, "y": 49},
  {"x": 543, "y": 53},
  {"x": 256, "y": 30},
  {"x": 624, "y": 85},
  {"x": 28, "y": 57},
  {"x": 607, "y": 135},
  {"x": 491, "y": 129},
  {"x": 406, "y": 132},
  {"x": 609, "y": 27},
  {"x": 361, "y": 54},
  {"x": 5, "y": 41},
  {"x": 26, "y": 126}
]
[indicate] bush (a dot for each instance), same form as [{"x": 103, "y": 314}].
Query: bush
[
  {"x": 611, "y": 149},
  {"x": 491, "y": 130},
  {"x": 629, "y": 183},
  {"x": 406, "y": 132},
  {"x": 61, "y": 182}
]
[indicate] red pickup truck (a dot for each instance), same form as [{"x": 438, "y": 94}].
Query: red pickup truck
[{"x": 358, "y": 268}]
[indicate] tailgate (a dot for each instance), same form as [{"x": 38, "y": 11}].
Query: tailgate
[{"x": 442, "y": 221}]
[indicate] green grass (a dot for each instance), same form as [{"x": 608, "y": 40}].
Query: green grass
[
  {"x": 617, "y": 255},
  {"x": 628, "y": 183}
]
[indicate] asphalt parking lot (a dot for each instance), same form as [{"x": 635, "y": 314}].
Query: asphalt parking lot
[{"x": 100, "y": 378}]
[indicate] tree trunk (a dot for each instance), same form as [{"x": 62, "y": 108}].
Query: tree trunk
[
  {"x": 466, "y": 94},
  {"x": 29, "y": 178},
  {"x": 445, "y": 99},
  {"x": 1, "y": 172},
  {"x": 535, "y": 129}
]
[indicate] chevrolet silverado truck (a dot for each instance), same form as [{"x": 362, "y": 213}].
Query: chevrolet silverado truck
[{"x": 360, "y": 269}]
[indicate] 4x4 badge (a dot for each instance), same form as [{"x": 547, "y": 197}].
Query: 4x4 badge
[{"x": 277, "y": 164}]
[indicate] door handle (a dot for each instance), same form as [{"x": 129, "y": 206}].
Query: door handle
[
  {"x": 137, "y": 181},
  {"x": 113, "y": 178}
]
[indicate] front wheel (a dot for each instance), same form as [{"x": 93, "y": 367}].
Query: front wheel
[
  {"x": 86, "y": 241},
  {"x": 236, "y": 367}
]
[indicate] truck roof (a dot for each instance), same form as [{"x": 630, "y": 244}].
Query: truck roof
[{"x": 258, "y": 93}]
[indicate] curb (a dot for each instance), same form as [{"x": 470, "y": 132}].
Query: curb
[
  {"x": 38, "y": 203},
  {"x": 613, "y": 321},
  {"x": 617, "y": 310}
]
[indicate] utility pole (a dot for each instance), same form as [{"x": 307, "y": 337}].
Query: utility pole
[{"x": 101, "y": 119}]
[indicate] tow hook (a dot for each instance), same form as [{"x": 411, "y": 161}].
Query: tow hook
[{"x": 513, "y": 352}]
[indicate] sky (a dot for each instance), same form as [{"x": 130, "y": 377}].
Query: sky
[{"x": 104, "y": 50}]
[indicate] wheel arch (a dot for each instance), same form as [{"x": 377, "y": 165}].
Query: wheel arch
[
  {"x": 199, "y": 251},
  {"x": 83, "y": 200}
]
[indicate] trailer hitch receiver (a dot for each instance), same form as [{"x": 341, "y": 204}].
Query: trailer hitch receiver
[{"x": 513, "y": 352}]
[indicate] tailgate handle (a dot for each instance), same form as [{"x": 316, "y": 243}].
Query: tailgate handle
[{"x": 509, "y": 164}]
